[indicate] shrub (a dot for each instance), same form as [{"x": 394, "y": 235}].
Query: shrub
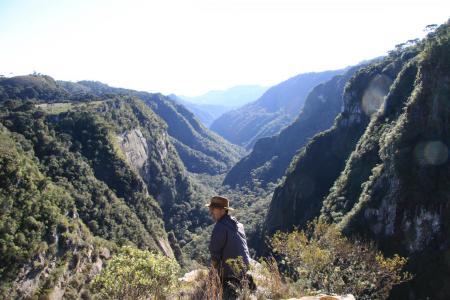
[
  {"x": 136, "y": 274},
  {"x": 325, "y": 261}
]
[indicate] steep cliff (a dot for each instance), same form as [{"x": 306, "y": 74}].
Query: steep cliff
[
  {"x": 159, "y": 139},
  {"x": 401, "y": 198},
  {"x": 317, "y": 165},
  {"x": 119, "y": 181},
  {"x": 201, "y": 150},
  {"x": 271, "y": 156},
  {"x": 61, "y": 207},
  {"x": 382, "y": 171}
]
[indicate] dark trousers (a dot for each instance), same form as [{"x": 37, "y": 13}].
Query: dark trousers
[{"x": 232, "y": 285}]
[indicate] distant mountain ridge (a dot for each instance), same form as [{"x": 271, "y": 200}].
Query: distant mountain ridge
[
  {"x": 271, "y": 156},
  {"x": 200, "y": 149},
  {"x": 233, "y": 97},
  {"x": 206, "y": 113},
  {"x": 210, "y": 106},
  {"x": 270, "y": 113}
]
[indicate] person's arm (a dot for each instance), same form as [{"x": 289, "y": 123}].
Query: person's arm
[{"x": 217, "y": 243}]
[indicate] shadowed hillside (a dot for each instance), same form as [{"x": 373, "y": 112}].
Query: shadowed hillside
[
  {"x": 271, "y": 156},
  {"x": 274, "y": 110},
  {"x": 382, "y": 170}
]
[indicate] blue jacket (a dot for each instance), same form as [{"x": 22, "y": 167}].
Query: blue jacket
[{"x": 228, "y": 241}]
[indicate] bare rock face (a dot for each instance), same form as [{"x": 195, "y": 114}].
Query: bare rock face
[
  {"x": 31, "y": 277},
  {"x": 164, "y": 245},
  {"x": 391, "y": 184},
  {"x": 316, "y": 167},
  {"x": 136, "y": 149},
  {"x": 134, "y": 146}
]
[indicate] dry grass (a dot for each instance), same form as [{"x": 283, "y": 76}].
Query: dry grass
[
  {"x": 205, "y": 286},
  {"x": 269, "y": 281},
  {"x": 60, "y": 107},
  {"x": 213, "y": 287}
]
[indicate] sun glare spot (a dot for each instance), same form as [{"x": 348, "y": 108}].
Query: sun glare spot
[
  {"x": 431, "y": 153},
  {"x": 375, "y": 93}
]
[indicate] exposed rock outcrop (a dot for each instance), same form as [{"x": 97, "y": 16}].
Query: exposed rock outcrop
[
  {"x": 135, "y": 147},
  {"x": 315, "y": 168},
  {"x": 382, "y": 171}
]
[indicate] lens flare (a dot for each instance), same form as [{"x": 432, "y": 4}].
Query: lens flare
[
  {"x": 374, "y": 94},
  {"x": 431, "y": 153}
]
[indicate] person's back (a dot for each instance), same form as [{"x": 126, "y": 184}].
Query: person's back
[{"x": 228, "y": 241}]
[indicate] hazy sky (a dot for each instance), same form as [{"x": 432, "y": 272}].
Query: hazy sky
[{"x": 192, "y": 46}]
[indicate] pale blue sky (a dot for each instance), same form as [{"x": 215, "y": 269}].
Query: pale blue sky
[{"x": 190, "y": 47}]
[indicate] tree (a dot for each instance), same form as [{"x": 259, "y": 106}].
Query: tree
[{"x": 430, "y": 27}]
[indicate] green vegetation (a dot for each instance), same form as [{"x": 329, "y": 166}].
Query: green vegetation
[
  {"x": 30, "y": 208},
  {"x": 347, "y": 188},
  {"x": 72, "y": 155},
  {"x": 39, "y": 224},
  {"x": 315, "y": 167},
  {"x": 73, "y": 159},
  {"x": 80, "y": 147},
  {"x": 136, "y": 274},
  {"x": 30, "y": 87},
  {"x": 382, "y": 174},
  {"x": 322, "y": 260},
  {"x": 57, "y": 108},
  {"x": 250, "y": 203},
  {"x": 200, "y": 149},
  {"x": 183, "y": 126},
  {"x": 87, "y": 169}
]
